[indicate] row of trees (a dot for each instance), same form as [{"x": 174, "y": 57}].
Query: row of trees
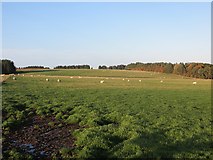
[
  {"x": 120, "y": 67},
  {"x": 7, "y": 67},
  {"x": 197, "y": 70},
  {"x": 34, "y": 67},
  {"x": 73, "y": 67}
]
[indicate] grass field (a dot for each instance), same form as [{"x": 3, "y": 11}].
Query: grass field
[
  {"x": 99, "y": 73},
  {"x": 115, "y": 119}
]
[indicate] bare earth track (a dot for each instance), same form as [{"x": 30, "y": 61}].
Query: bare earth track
[{"x": 42, "y": 137}]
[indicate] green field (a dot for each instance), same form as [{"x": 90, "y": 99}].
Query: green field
[
  {"x": 99, "y": 73},
  {"x": 117, "y": 118}
]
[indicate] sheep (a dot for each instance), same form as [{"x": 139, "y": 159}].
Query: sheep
[
  {"x": 79, "y": 76},
  {"x": 71, "y": 77},
  {"x": 47, "y": 79},
  {"x": 140, "y": 80},
  {"x": 123, "y": 79},
  {"x": 194, "y": 83},
  {"x": 102, "y": 81},
  {"x": 14, "y": 78},
  {"x": 31, "y": 75},
  {"x": 58, "y": 80},
  {"x": 128, "y": 80},
  {"x": 161, "y": 81},
  {"x": 23, "y": 75}
]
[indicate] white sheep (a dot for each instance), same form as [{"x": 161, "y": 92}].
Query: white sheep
[
  {"x": 14, "y": 78},
  {"x": 23, "y": 75},
  {"x": 47, "y": 79},
  {"x": 161, "y": 81},
  {"x": 102, "y": 81},
  {"x": 71, "y": 77},
  {"x": 123, "y": 79},
  {"x": 79, "y": 76},
  {"x": 58, "y": 80},
  {"x": 194, "y": 83},
  {"x": 140, "y": 80},
  {"x": 128, "y": 80}
]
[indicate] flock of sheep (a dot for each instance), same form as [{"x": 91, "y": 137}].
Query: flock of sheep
[{"x": 102, "y": 81}]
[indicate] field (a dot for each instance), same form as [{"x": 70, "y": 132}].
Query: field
[{"x": 80, "y": 117}]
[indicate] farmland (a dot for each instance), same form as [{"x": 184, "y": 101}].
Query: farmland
[{"x": 82, "y": 118}]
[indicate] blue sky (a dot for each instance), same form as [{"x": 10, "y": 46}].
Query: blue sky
[{"x": 52, "y": 34}]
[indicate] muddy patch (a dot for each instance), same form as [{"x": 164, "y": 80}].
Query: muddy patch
[{"x": 41, "y": 137}]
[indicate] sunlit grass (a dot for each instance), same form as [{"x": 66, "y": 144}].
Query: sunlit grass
[{"x": 122, "y": 119}]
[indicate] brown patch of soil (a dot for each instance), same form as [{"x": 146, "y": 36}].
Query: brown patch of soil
[{"x": 41, "y": 137}]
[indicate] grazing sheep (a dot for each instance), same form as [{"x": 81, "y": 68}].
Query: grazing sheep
[
  {"x": 140, "y": 80},
  {"x": 23, "y": 75},
  {"x": 71, "y": 77},
  {"x": 58, "y": 80},
  {"x": 14, "y": 78},
  {"x": 47, "y": 80},
  {"x": 102, "y": 81},
  {"x": 194, "y": 83},
  {"x": 123, "y": 79},
  {"x": 161, "y": 81},
  {"x": 128, "y": 80}
]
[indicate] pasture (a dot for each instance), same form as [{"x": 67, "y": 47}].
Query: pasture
[{"x": 161, "y": 116}]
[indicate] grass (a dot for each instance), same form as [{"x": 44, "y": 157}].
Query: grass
[
  {"x": 100, "y": 73},
  {"x": 119, "y": 118}
]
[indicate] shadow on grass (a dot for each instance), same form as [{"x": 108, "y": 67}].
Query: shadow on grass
[{"x": 158, "y": 145}]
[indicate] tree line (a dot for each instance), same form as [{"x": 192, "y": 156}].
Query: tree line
[
  {"x": 196, "y": 70},
  {"x": 34, "y": 67},
  {"x": 73, "y": 67},
  {"x": 7, "y": 67},
  {"x": 120, "y": 67}
]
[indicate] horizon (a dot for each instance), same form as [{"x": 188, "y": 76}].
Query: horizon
[
  {"x": 91, "y": 67},
  {"x": 53, "y": 34}
]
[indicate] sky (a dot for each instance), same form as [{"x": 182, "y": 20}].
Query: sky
[{"x": 51, "y": 34}]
